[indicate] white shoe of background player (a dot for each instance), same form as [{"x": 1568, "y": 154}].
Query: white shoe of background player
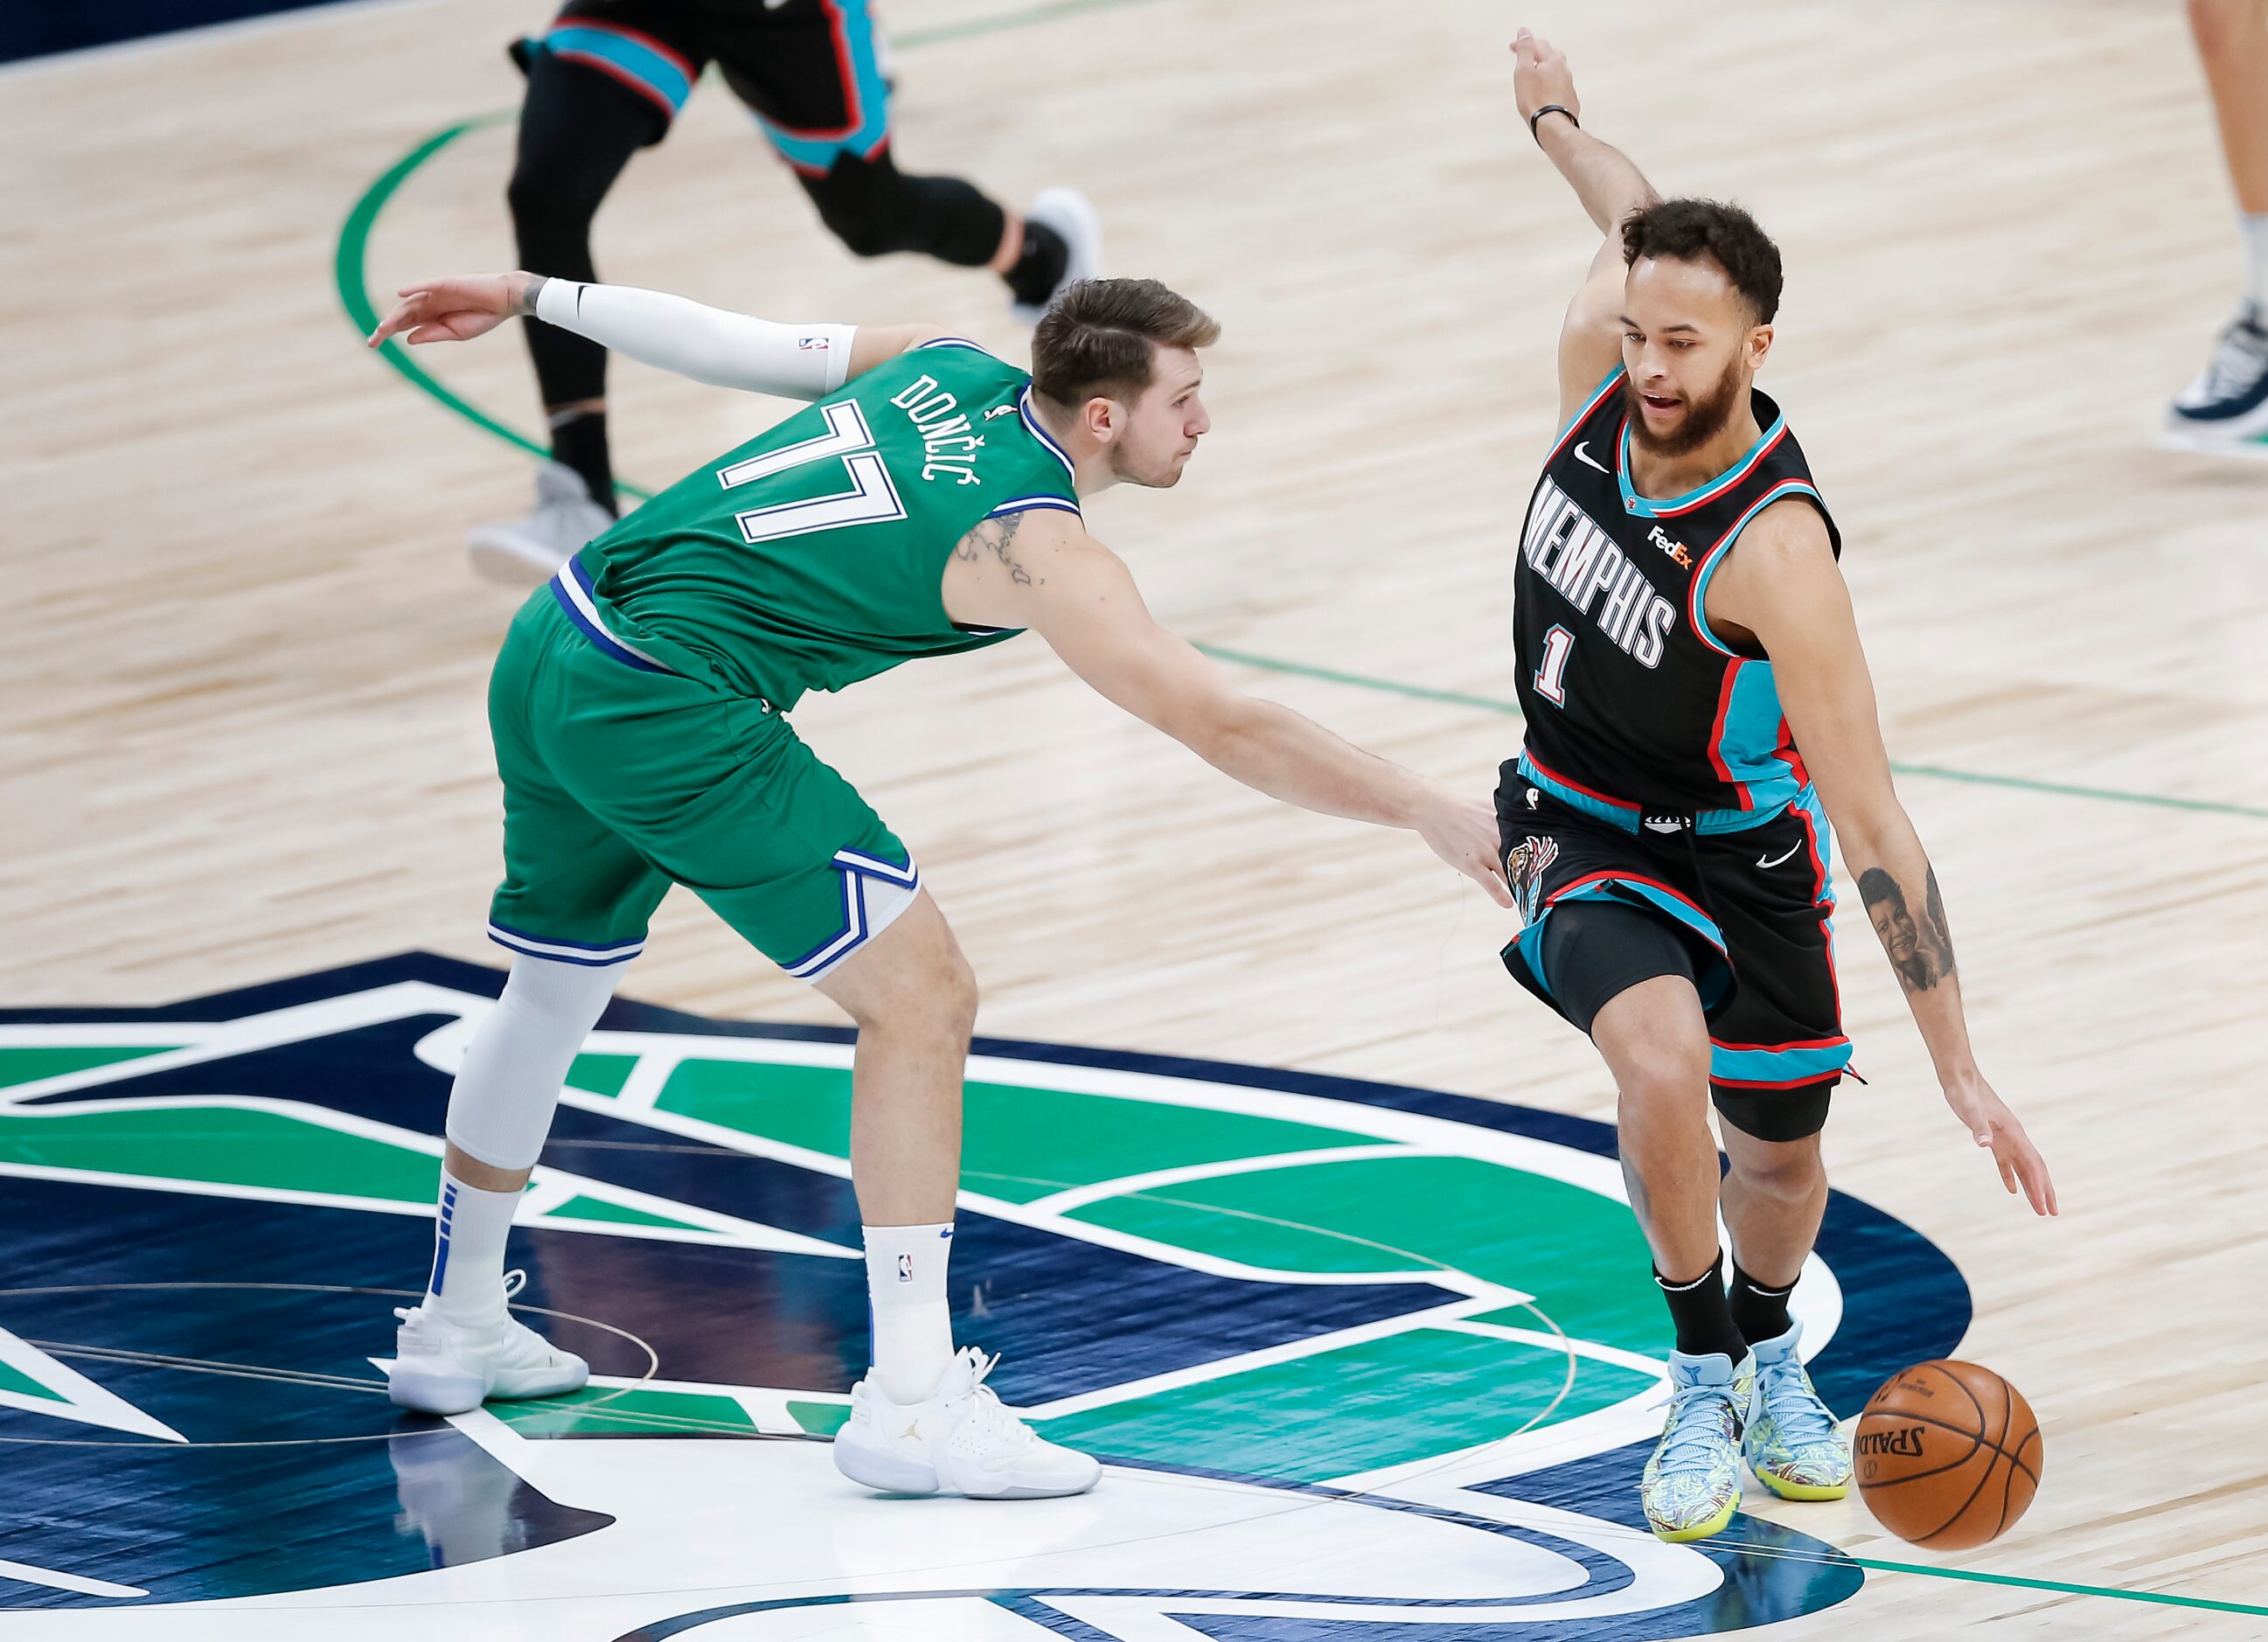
[
  {"x": 1070, "y": 214},
  {"x": 2225, "y": 410},
  {"x": 441, "y": 1367},
  {"x": 960, "y": 1441},
  {"x": 528, "y": 552}
]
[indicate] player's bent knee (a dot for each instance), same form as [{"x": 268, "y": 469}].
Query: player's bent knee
[
  {"x": 1663, "y": 1078},
  {"x": 1788, "y": 1170}
]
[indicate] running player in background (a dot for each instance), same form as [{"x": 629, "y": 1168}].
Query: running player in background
[
  {"x": 928, "y": 503},
  {"x": 2225, "y": 410},
  {"x": 606, "y": 80},
  {"x": 1682, "y": 628}
]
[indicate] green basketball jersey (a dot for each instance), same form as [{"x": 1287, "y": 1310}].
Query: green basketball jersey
[{"x": 812, "y": 556}]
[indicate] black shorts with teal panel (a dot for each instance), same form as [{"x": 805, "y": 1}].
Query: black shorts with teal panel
[{"x": 1752, "y": 898}]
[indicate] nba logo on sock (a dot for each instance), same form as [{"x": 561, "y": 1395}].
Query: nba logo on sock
[{"x": 905, "y": 1268}]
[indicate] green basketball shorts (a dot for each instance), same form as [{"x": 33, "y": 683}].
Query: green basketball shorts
[{"x": 621, "y": 777}]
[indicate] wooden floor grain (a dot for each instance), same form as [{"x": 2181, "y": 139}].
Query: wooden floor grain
[{"x": 240, "y": 698}]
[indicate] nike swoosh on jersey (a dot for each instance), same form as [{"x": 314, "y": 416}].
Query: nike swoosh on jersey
[
  {"x": 1586, "y": 460},
  {"x": 1777, "y": 859}
]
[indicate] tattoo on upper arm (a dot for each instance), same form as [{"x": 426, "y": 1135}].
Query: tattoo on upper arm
[
  {"x": 1920, "y": 948},
  {"x": 997, "y": 538}
]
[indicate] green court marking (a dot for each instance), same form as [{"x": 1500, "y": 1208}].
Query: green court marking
[
  {"x": 28, "y": 1065},
  {"x": 600, "y": 1074},
  {"x": 592, "y": 1209},
  {"x": 354, "y": 294},
  {"x": 15, "y": 1379},
  {"x": 1574, "y": 1249},
  {"x": 1347, "y": 1410},
  {"x": 2113, "y": 1591},
  {"x": 223, "y": 1147},
  {"x": 637, "y": 1412},
  {"x": 1018, "y": 1143},
  {"x": 821, "y": 1419}
]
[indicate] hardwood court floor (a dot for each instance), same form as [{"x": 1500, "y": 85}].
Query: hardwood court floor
[{"x": 240, "y": 704}]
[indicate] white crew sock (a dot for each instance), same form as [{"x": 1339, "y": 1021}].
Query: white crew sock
[
  {"x": 2255, "y": 233},
  {"x": 466, "y": 1287},
  {"x": 905, "y": 1291}
]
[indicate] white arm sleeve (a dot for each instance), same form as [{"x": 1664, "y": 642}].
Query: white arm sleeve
[{"x": 708, "y": 344}]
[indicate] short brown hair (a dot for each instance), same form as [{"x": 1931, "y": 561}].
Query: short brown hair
[{"x": 1101, "y": 337}]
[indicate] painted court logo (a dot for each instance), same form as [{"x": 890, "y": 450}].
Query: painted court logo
[{"x": 1365, "y": 1360}]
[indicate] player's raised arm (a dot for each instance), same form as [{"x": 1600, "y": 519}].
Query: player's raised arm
[
  {"x": 1609, "y": 187},
  {"x": 672, "y": 333},
  {"x": 1782, "y": 585},
  {"x": 1041, "y": 570}
]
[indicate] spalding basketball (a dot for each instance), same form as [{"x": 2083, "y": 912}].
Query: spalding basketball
[{"x": 1949, "y": 1454}]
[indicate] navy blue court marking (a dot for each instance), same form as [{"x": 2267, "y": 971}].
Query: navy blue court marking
[{"x": 378, "y": 1511}]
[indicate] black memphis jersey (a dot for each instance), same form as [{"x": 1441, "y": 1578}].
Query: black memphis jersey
[{"x": 1634, "y": 706}]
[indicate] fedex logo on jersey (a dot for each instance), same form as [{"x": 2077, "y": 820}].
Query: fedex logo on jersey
[{"x": 1567, "y": 549}]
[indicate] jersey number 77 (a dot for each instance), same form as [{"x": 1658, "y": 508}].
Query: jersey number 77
[{"x": 872, "y": 499}]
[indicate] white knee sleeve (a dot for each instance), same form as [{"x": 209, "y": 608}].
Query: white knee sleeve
[{"x": 500, "y": 1108}]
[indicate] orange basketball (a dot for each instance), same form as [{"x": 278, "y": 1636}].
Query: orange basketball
[{"x": 1949, "y": 1454}]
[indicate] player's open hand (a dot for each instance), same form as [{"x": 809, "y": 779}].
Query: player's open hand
[
  {"x": 1995, "y": 1129},
  {"x": 1541, "y": 76},
  {"x": 1463, "y": 832},
  {"x": 453, "y": 310}
]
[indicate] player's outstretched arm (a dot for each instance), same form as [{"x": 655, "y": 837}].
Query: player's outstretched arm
[
  {"x": 1610, "y": 188},
  {"x": 1782, "y": 585},
  {"x": 671, "y": 334},
  {"x": 1040, "y": 570}
]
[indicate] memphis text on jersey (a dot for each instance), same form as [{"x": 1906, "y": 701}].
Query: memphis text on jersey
[{"x": 1567, "y": 550}]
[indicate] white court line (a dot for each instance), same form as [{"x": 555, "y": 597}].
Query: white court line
[
  {"x": 1637, "y": 1362},
  {"x": 1124, "y": 1185},
  {"x": 57, "y": 1580}
]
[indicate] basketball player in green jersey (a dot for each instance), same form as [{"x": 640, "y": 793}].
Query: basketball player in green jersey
[{"x": 928, "y": 502}]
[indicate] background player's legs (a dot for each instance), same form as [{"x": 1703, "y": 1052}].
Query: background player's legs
[
  {"x": 2230, "y": 398},
  {"x": 578, "y": 129},
  {"x": 875, "y": 209},
  {"x": 914, "y": 999}
]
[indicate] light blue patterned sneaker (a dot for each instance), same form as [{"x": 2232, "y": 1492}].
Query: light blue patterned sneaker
[
  {"x": 1791, "y": 1441},
  {"x": 1691, "y": 1486}
]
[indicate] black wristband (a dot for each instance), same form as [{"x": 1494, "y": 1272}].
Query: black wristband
[{"x": 1551, "y": 109}]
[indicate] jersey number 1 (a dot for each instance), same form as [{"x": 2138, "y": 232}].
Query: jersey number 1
[
  {"x": 1550, "y": 684},
  {"x": 872, "y": 499}
]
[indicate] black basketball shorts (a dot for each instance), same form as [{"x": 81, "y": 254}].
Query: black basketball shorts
[
  {"x": 1754, "y": 907},
  {"x": 811, "y": 71}
]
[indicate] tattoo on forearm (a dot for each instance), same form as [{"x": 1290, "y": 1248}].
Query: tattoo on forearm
[
  {"x": 1920, "y": 949},
  {"x": 997, "y": 537}
]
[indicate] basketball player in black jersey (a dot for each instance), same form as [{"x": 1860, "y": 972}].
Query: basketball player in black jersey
[
  {"x": 607, "y": 78},
  {"x": 1683, "y": 631}
]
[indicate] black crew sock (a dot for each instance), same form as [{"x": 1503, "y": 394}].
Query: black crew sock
[
  {"x": 1759, "y": 1311},
  {"x": 1702, "y": 1318},
  {"x": 1039, "y": 265},
  {"x": 579, "y": 439}
]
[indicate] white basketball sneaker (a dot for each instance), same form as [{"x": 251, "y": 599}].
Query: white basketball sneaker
[
  {"x": 442, "y": 1367},
  {"x": 1071, "y": 214},
  {"x": 961, "y": 1441},
  {"x": 528, "y": 552},
  {"x": 2224, "y": 411}
]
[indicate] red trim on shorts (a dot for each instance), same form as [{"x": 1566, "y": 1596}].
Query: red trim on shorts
[
  {"x": 1588, "y": 792},
  {"x": 607, "y": 25},
  {"x": 1613, "y": 876},
  {"x": 1805, "y": 1082},
  {"x": 846, "y": 72},
  {"x": 1836, "y": 1041}
]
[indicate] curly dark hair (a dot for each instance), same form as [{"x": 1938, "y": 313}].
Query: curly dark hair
[{"x": 1690, "y": 230}]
